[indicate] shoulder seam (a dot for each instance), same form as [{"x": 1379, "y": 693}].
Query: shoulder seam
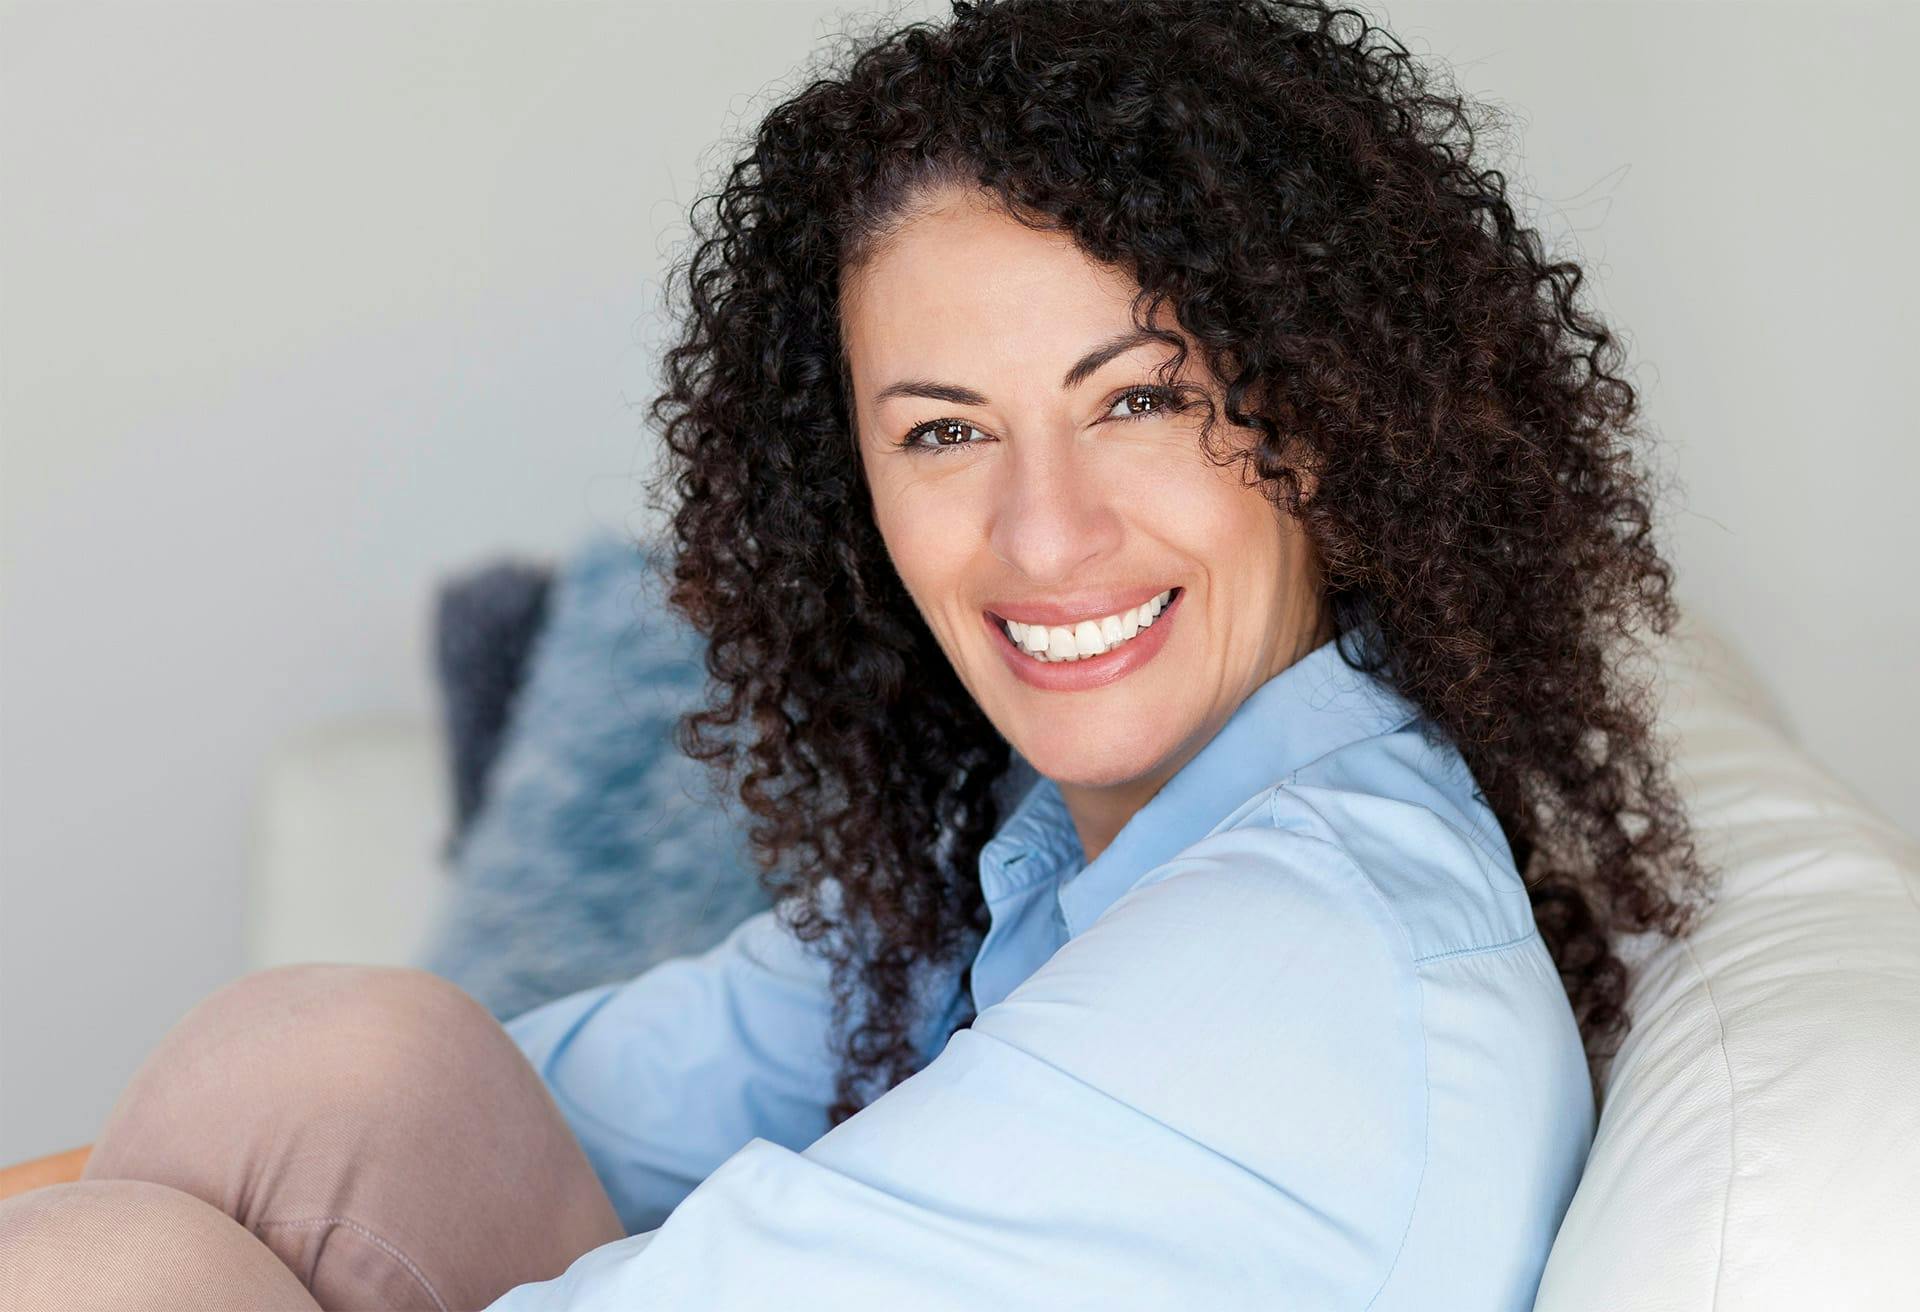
[
  {"x": 1419, "y": 958},
  {"x": 1470, "y": 831}
]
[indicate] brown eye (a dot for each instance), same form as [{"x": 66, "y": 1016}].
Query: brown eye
[
  {"x": 1158, "y": 399},
  {"x": 940, "y": 430}
]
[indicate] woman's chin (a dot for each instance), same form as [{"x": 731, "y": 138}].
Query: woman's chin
[{"x": 1096, "y": 759}]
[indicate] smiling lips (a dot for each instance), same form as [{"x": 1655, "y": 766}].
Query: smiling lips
[
  {"x": 1093, "y": 637},
  {"x": 1074, "y": 670}
]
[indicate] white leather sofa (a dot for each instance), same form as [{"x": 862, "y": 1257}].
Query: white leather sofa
[{"x": 1758, "y": 1147}]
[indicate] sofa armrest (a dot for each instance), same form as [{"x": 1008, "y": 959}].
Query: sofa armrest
[{"x": 39, "y": 1172}]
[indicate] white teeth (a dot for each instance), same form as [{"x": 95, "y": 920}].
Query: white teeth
[{"x": 1088, "y": 637}]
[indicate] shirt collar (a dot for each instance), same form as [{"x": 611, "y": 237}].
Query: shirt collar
[{"x": 1310, "y": 708}]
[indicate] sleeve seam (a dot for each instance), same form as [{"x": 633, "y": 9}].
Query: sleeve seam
[{"x": 1426, "y": 1075}]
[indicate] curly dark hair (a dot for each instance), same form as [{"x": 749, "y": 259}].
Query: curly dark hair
[{"x": 1300, "y": 190}]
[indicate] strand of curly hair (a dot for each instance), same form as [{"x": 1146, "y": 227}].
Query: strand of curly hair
[{"x": 1304, "y": 194}]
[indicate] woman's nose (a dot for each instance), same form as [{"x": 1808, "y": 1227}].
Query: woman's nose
[{"x": 1051, "y": 514}]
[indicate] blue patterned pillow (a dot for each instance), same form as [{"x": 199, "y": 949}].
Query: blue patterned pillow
[{"x": 598, "y": 848}]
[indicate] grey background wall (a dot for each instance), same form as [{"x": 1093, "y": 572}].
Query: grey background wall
[{"x": 304, "y": 305}]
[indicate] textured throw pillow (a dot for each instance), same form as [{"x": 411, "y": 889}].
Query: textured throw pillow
[{"x": 597, "y": 848}]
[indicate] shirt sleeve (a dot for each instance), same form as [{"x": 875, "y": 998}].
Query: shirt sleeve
[
  {"x": 1213, "y": 1095},
  {"x": 665, "y": 1076}
]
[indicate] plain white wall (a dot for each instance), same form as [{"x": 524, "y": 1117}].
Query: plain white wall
[{"x": 304, "y": 306}]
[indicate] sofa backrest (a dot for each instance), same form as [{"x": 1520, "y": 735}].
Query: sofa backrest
[{"x": 1758, "y": 1146}]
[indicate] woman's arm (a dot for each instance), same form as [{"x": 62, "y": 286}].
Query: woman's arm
[
  {"x": 1213, "y": 1096},
  {"x": 55, "y": 1168},
  {"x": 665, "y": 1076}
]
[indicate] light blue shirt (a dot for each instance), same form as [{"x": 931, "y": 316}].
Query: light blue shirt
[{"x": 1291, "y": 1041}]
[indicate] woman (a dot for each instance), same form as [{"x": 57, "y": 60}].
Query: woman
[{"x": 1160, "y": 390}]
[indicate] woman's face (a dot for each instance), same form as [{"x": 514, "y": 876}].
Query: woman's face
[{"x": 1069, "y": 494}]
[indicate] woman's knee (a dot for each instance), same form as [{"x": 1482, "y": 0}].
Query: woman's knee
[
  {"x": 368, "y": 1027},
  {"x": 301, "y": 1060},
  {"x": 134, "y": 1244},
  {"x": 386, "y": 1015},
  {"x": 323, "y": 1033},
  {"x": 315, "y": 1101}
]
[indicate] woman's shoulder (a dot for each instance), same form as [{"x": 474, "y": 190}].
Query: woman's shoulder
[
  {"x": 1406, "y": 818},
  {"x": 1381, "y": 868}
]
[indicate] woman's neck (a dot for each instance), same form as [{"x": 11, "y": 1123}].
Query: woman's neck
[{"x": 1101, "y": 811}]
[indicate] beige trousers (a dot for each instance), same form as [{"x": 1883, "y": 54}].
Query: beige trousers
[{"x": 315, "y": 1136}]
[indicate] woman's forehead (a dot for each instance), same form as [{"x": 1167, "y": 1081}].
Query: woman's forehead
[{"x": 961, "y": 273}]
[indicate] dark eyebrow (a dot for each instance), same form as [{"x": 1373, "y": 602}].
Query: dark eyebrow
[{"x": 1083, "y": 369}]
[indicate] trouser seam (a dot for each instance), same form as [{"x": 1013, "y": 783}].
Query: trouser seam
[{"x": 412, "y": 1268}]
